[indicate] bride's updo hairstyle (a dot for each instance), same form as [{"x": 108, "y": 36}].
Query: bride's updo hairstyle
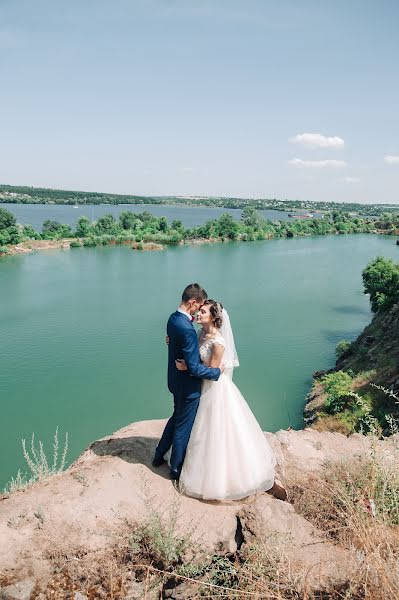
[{"x": 216, "y": 311}]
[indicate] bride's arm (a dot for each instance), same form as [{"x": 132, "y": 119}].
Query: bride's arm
[
  {"x": 216, "y": 356},
  {"x": 215, "y": 361}
]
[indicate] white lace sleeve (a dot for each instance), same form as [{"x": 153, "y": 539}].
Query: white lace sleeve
[{"x": 219, "y": 339}]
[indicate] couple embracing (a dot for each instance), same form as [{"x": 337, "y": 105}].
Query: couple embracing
[{"x": 215, "y": 448}]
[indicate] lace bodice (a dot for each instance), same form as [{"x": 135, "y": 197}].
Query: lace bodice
[{"x": 205, "y": 345}]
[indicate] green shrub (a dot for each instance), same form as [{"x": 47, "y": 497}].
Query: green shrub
[
  {"x": 83, "y": 227},
  {"x": 52, "y": 230},
  {"x": 75, "y": 244},
  {"x": 124, "y": 237},
  {"x": 342, "y": 347},
  {"x": 89, "y": 242},
  {"x": 381, "y": 281},
  {"x": 11, "y": 235},
  {"x": 104, "y": 240},
  {"x": 337, "y": 387},
  {"x": 30, "y": 234},
  {"x": 7, "y": 219},
  {"x": 159, "y": 538},
  {"x": 106, "y": 225}
]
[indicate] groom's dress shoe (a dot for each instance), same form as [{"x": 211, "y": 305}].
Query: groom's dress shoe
[
  {"x": 176, "y": 485},
  {"x": 158, "y": 461},
  {"x": 174, "y": 475}
]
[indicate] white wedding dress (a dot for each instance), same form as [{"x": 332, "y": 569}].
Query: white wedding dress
[{"x": 228, "y": 456}]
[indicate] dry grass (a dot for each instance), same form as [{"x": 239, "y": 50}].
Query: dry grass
[
  {"x": 331, "y": 423},
  {"x": 123, "y": 570},
  {"x": 146, "y": 561},
  {"x": 99, "y": 574},
  {"x": 357, "y": 504}
]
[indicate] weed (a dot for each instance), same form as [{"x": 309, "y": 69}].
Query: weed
[{"x": 38, "y": 463}]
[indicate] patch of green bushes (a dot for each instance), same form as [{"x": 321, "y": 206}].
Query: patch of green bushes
[
  {"x": 342, "y": 347},
  {"x": 337, "y": 386},
  {"x": 381, "y": 281}
]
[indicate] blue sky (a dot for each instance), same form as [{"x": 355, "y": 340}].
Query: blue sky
[{"x": 250, "y": 98}]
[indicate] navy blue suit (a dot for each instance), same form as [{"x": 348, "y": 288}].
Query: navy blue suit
[{"x": 185, "y": 387}]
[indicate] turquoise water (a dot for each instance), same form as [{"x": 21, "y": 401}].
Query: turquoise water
[{"x": 82, "y": 331}]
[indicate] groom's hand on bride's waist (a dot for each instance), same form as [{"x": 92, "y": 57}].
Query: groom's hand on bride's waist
[{"x": 181, "y": 364}]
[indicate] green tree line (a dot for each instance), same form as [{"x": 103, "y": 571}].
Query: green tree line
[{"x": 145, "y": 227}]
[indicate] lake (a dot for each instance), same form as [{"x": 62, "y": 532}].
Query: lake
[
  {"x": 36, "y": 214},
  {"x": 83, "y": 330}
]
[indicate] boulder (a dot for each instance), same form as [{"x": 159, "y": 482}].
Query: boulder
[
  {"x": 277, "y": 525},
  {"x": 22, "y": 590}
]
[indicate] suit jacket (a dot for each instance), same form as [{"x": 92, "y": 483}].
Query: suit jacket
[{"x": 183, "y": 343}]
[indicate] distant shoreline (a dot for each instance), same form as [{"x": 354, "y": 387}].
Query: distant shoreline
[
  {"x": 35, "y": 195},
  {"x": 30, "y": 246},
  {"x": 165, "y": 203},
  {"x": 140, "y": 228}
]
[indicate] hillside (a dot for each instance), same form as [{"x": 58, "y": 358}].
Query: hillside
[{"x": 371, "y": 360}]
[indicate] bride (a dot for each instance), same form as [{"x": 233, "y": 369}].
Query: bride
[{"x": 228, "y": 456}]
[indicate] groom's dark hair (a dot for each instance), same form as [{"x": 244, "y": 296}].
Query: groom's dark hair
[{"x": 194, "y": 292}]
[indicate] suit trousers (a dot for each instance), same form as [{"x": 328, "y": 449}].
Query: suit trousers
[{"x": 177, "y": 431}]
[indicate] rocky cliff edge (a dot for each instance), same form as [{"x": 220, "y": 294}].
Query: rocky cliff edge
[{"x": 113, "y": 483}]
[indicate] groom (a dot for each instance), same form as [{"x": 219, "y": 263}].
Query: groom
[{"x": 184, "y": 385}]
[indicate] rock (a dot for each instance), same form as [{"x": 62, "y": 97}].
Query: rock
[
  {"x": 318, "y": 374},
  {"x": 22, "y": 590},
  {"x": 135, "y": 591},
  {"x": 314, "y": 401},
  {"x": 291, "y": 535},
  {"x": 120, "y": 486},
  {"x": 184, "y": 591},
  {"x": 80, "y": 596}
]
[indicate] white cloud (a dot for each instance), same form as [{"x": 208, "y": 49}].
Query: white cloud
[
  {"x": 317, "y": 164},
  {"x": 317, "y": 140},
  {"x": 391, "y": 160},
  {"x": 350, "y": 179},
  {"x": 188, "y": 169}
]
